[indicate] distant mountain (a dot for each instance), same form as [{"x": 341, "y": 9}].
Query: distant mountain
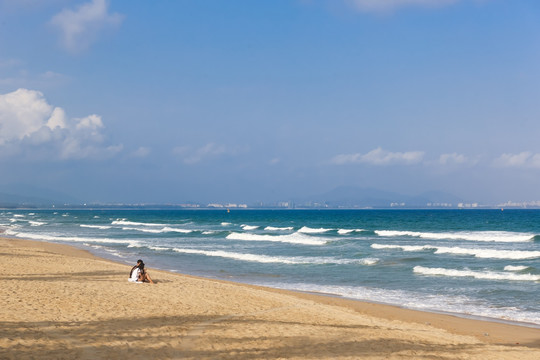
[{"x": 353, "y": 197}]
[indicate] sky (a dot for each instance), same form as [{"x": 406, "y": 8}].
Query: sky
[{"x": 168, "y": 101}]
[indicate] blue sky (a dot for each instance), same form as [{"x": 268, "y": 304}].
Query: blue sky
[{"x": 173, "y": 101}]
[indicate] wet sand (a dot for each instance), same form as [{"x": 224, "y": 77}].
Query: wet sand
[{"x": 59, "y": 302}]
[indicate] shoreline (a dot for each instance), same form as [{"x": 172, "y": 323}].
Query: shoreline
[
  {"x": 336, "y": 296},
  {"x": 315, "y": 293},
  {"x": 231, "y": 302}
]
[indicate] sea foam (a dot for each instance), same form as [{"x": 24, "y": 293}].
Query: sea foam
[
  {"x": 249, "y": 227},
  {"x": 487, "y": 236},
  {"x": 308, "y": 230},
  {"x": 134, "y": 223},
  {"x": 484, "y": 275},
  {"x": 479, "y": 253},
  {"x": 294, "y": 238},
  {"x": 43, "y": 237},
  {"x": 273, "y": 228},
  {"x": 166, "y": 229},
  {"x": 101, "y": 227},
  {"x": 276, "y": 259}
]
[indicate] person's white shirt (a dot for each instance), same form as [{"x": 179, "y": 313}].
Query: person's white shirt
[{"x": 135, "y": 275}]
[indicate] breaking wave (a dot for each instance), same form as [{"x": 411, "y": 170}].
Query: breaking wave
[
  {"x": 479, "y": 253},
  {"x": 308, "y": 230},
  {"x": 294, "y": 238},
  {"x": 488, "y": 236},
  {"x": 484, "y": 275}
]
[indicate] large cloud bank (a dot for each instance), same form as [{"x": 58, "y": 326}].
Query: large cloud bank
[{"x": 31, "y": 126}]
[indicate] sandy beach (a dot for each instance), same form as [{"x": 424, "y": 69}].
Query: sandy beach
[{"x": 59, "y": 302}]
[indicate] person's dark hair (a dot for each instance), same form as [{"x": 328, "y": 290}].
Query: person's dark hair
[{"x": 139, "y": 261}]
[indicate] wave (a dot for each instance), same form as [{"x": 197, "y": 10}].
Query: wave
[
  {"x": 308, "y": 230},
  {"x": 515, "y": 268},
  {"x": 225, "y": 224},
  {"x": 370, "y": 261},
  {"x": 166, "y": 229},
  {"x": 483, "y": 275},
  {"x": 18, "y": 216},
  {"x": 43, "y": 237},
  {"x": 275, "y": 259},
  {"x": 273, "y": 228},
  {"x": 107, "y": 250},
  {"x": 479, "y": 253},
  {"x": 294, "y": 238},
  {"x": 249, "y": 227},
  {"x": 348, "y": 231},
  {"x": 101, "y": 227},
  {"x": 37, "y": 223},
  {"x": 487, "y": 236},
  {"x": 134, "y": 223},
  {"x": 417, "y": 300}
]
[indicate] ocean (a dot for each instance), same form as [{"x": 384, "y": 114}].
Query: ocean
[{"x": 474, "y": 263}]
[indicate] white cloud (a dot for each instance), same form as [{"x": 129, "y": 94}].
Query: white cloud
[
  {"x": 192, "y": 155},
  {"x": 379, "y": 156},
  {"x": 380, "y": 6},
  {"x": 80, "y": 27},
  {"x": 28, "y": 124},
  {"x": 453, "y": 158},
  {"x": 525, "y": 159},
  {"x": 142, "y": 152}
]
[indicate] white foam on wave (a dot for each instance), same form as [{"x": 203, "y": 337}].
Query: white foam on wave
[
  {"x": 166, "y": 229},
  {"x": 274, "y": 259},
  {"x": 37, "y": 223},
  {"x": 403, "y": 247},
  {"x": 308, "y": 230},
  {"x": 209, "y": 232},
  {"x": 225, "y": 224},
  {"x": 273, "y": 228},
  {"x": 417, "y": 300},
  {"x": 134, "y": 223},
  {"x": 370, "y": 261},
  {"x": 18, "y": 216},
  {"x": 44, "y": 237},
  {"x": 483, "y": 275},
  {"x": 487, "y": 236},
  {"x": 101, "y": 227},
  {"x": 107, "y": 250},
  {"x": 348, "y": 231},
  {"x": 294, "y": 238},
  {"x": 249, "y": 227},
  {"x": 515, "y": 268},
  {"x": 479, "y": 253}
]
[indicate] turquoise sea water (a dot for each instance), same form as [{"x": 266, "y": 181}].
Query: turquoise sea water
[{"x": 471, "y": 262}]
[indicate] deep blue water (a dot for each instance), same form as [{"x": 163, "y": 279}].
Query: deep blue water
[{"x": 471, "y": 262}]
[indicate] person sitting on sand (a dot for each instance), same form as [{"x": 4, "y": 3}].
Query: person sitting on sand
[{"x": 138, "y": 274}]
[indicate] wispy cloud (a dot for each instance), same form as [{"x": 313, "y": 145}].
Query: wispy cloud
[
  {"x": 453, "y": 158},
  {"x": 525, "y": 159},
  {"x": 379, "y": 156},
  {"x": 29, "y": 125},
  {"x": 80, "y": 27},
  {"x": 192, "y": 155},
  {"x": 141, "y": 152},
  {"x": 381, "y": 6}
]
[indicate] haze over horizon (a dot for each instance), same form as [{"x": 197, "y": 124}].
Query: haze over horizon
[{"x": 243, "y": 101}]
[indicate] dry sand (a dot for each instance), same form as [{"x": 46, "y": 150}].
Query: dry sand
[{"x": 58, "y": 302}]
